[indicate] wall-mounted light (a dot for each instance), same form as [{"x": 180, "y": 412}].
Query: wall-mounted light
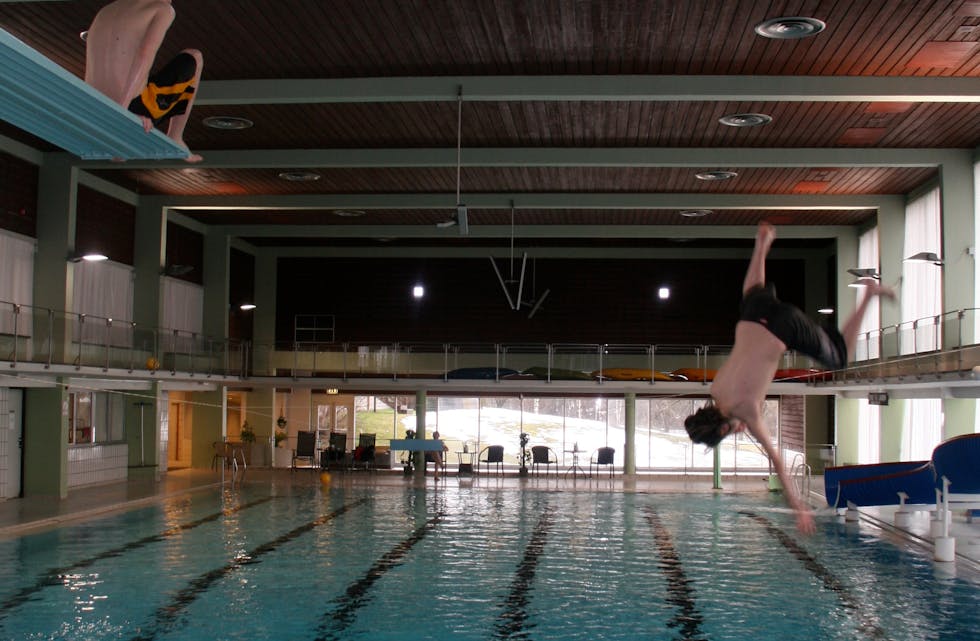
[
  {"x": 864, "y": 272},
  {"x": 925, "y": 257},
  {"x": 826, "y": 311},
  {"x": 91, "y": 257},
  {"x": 246, "y": 307}
]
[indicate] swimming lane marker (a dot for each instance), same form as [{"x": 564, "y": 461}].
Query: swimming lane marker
[{"x": 680, "y": 591}]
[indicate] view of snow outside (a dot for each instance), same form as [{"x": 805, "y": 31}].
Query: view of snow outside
[{"x": 569, "y": 424}]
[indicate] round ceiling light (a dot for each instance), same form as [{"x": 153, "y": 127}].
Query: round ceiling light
[
  {"x": 227, "y": 123},
  {"x": 696, "y": 213},
  {"x": 300, "y": 176},
  {"x": 745, "y": 120},
  {"x": 790, "y": 28},
  {"x": 715, "y": 175}
]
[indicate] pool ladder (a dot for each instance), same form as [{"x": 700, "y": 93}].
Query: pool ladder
[{"x": 800, "y": 473}]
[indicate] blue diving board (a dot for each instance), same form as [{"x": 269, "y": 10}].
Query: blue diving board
[
  {"x": 416, "y": 444},
  {"x": 44, "y": 99}
]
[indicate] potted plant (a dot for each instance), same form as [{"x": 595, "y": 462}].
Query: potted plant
[
  {"x": 247, "y": 433},
  {"x": 525, "y": 455},
  {"x": 247, "y": 436}
]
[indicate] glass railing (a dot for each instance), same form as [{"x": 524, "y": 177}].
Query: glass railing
[
  {"x": 42, "y": 336},
  {"x": 934, "y": 345},
  {"x": 942, "y": 343}
]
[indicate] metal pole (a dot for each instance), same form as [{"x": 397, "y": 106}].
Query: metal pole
[{"x": 717, "y": 469}]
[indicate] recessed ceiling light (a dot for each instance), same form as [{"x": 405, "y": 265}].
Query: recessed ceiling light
[
  {"x": 696, "y": 213},
  {"x": 83, "y": 35},
  {"x": 745, "y": 120},
  {"x": 227, "y": 123},
  {"x": 300, "y": 176},
  {"x": 790, "y": 28},
  {"x": 348, "y": 213},
  {"x": 715, "y": 175}
]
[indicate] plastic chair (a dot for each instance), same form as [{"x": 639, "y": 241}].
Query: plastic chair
[
  {"x": 543, "y": 455},
  {"x": 305, "y": 448},
  {"x": 603, "y": 456},
  {"x": 494, "y": 454}
]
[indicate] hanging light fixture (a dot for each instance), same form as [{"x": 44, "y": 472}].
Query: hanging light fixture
[{"x": 460, "y": 218}]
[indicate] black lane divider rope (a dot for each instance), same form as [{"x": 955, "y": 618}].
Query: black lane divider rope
[
  {"x": 512, "y": 622},
  {"x": 166, "y": 616},
  {"x": 54, "y": 576},
  {"x": 865, "y": 622},
  {"x": 680, "y": 591},
  {"x": 356, "y": 596}
]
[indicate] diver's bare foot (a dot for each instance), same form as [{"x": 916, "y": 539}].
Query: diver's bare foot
[{"x": 193, "y": 158}]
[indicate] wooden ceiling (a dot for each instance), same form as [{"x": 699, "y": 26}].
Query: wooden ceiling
[{"x": 580, "y": 116}]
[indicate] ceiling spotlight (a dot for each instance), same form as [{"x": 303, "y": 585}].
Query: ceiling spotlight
[
  {"x": 715, "y": 175},
  {"x": 227, "y": 123},
  {"x": 745, "y": 120},
  {"x": 696, "y": 213},
  {"x": 83, "y": 35},
  {"x": 348, "y": 213},
  {"x": 790, "y": 28},
  {"x": 300, "y": 176},
  {"x": 418, "y": 291},
  {"x": 663, "y": 293}
]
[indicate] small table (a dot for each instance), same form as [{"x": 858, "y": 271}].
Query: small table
[
  {"x": 466, "y": 462},
  {"x": 575, "y": 468}
]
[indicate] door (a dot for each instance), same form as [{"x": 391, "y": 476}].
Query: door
[{"x": 11, "y": 441}]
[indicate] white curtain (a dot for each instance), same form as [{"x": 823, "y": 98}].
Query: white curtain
[
  {"x": 868, "y": 345},
  {"x": 104, "y": 290},
  {"x": 922, "y": 284},
  {"x": 183, "y": 306},
  {"x": 869, "y": 433},
  {"x": 17, "y": 284},
  {"x": 182, "y": 310},
  {"x": 923, "y": 428}
]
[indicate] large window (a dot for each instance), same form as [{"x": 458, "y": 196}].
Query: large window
[
  {"x": 569, "y": 426},
  {"x": 95, "y": 417}
]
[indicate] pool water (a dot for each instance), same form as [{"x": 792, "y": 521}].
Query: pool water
[{"x": 268, "y": 562}]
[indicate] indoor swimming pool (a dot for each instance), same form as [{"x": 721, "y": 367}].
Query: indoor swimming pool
[{"x": 265, "y": 561}]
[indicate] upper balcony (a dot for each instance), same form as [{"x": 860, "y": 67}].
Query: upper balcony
[{"x": 927, "y": 357}]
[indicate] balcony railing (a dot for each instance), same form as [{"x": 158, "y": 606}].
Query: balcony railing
[{"x": 36, "y": 335}]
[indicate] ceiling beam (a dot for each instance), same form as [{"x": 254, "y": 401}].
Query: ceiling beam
[
  {"x": 694, "y": 158},
  {"x": 593, "y": 87},
  {"x": 572, "y": 200},
  {"x": 807, "y": 232}
]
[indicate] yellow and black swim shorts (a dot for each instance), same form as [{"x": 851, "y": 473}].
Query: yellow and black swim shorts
[{"x": 168, "y": 91}]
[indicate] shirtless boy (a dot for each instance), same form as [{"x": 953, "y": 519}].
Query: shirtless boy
[
  {"x": 766, "y": 329},
  {"x": 120, "y": 47}
]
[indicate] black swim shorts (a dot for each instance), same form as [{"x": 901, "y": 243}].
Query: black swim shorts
[
  {"x": 793, "y": 327},
  {"x": 168, "y": 91}
]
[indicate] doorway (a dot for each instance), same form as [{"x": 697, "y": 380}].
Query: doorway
[{"x": 11, "y": 441}]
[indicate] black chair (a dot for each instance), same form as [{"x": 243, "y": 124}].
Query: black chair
[
  {"x": 336, "y": 453},
  {"x": 305, "y": 448},
  {"x": 603, "y": 456},
  {"x": 364, "y": 452},
  {"x": 543, "y": 455},
  {"x": 494, "y": 454}
]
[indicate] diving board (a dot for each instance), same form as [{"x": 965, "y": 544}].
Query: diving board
[
  {"x": 416, "y": 444},
  {"x": 44, "y": 99}
]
